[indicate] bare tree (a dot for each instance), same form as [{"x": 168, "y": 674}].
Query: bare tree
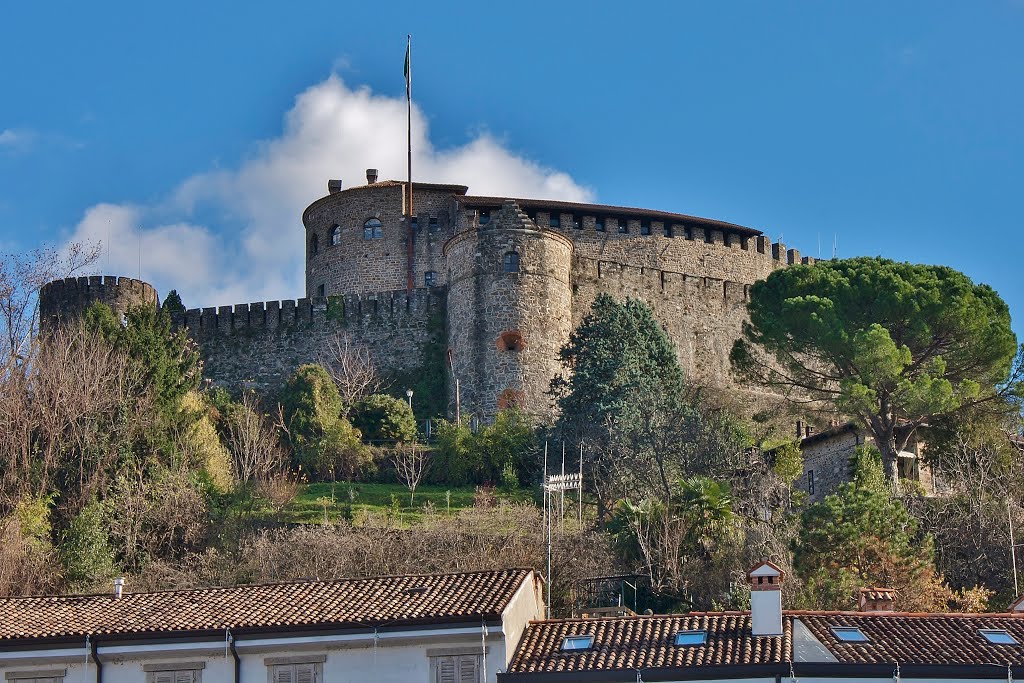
[
  {"x": 21, "y": 278},
  {"x": 253, "y": 442},
  {"x": 411, "y": 460},
  {"x": 66, "y": 417},
  {"x": 351, "y": 366}
]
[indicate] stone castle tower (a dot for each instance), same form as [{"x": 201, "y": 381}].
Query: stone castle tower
[
  {"x": 480, "y": 290},
  {"x": 68, "y": 298}
]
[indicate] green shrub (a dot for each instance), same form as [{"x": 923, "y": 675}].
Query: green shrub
[{"x": 383, "y": 418}]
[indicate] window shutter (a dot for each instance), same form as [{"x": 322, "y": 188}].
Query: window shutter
[
  {"x": 164, "y": 677},
  {"x": 305, "y": 673},
  {"x": 283, "y": 674},
  {"x": 446, "y": 670},
  {"x": 469, "y": 669},
  {"x": 184, "y": 676}
]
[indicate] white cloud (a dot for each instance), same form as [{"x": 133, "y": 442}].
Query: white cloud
[
  {"x": 332, "y": 131},
  {"x": 15, "y": 138}
]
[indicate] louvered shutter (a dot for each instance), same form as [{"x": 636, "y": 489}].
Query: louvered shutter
[
  {"x": 184, "y": 677},
  {"x": 446, "y": 670},
  {"x": 469, "y": 669},
  {"x": 284, "y": 674},
  {"x": 305, "y": 673},
  {"x": 164, "y": 677}
]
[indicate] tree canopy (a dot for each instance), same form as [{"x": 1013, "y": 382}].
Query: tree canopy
[{"x": 889, "y": 344}]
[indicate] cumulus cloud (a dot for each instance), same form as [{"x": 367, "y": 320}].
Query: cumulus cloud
[{"x": 255, "y": 249}]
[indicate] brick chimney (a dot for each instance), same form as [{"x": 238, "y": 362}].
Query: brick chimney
[
  {"x": 799, "y": 429},
  {"x": 876, "y": 599},
  {"x": 765, "y": 599}
]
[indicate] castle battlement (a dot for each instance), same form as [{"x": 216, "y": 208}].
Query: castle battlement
[
  {"x": 68, "y": 298},
  {"x": 344, "y": 311}
]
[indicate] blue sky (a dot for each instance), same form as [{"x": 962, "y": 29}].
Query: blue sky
[{"x": 201, "y": 130}]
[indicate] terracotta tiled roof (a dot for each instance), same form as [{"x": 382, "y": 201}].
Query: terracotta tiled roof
[
  {"x": 920, "y": 638},
  {"x": 603, "y": 210},
  {"x": 632, "y": 643},
  {"x": 379, "y": 601},
  {"x": 919, "y": 642}
]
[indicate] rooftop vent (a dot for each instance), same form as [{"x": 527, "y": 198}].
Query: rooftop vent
[
  {"x": 118, "y": 587},
  {"x": 333, "y": 186},
  {"x": 371, "y": 176}
]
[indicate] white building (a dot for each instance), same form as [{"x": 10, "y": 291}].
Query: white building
[{"x": 449, "y": 628}]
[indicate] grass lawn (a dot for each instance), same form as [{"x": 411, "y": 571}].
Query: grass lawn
[{"x": 313, "y": 500}]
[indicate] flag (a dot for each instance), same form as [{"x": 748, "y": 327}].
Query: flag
[{"x": 408, "y": 69}]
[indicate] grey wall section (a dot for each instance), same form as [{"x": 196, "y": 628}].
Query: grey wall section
[{"x": 260, "y": 344}]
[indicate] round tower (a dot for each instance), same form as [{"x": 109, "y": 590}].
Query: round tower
[
  {"x": 67, "y": 299},
  {"x": 357, "y": 239},
  {"x": 509, "y": 313}
]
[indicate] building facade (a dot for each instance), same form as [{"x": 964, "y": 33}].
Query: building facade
[{"x": 445, "y": 628}]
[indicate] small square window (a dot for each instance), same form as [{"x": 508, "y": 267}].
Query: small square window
[
  {"x": 554, "y": 220},
  {"x": 429, "y": 278},
  {"x": 691, "y": 638},
  {"x": 599, "y": 224},
  {"x": 999, "y": 637},
  {"x": 485, "y": 216},
  {"x": 573, "y": 643},
  {"x": 645, "y": 227},
  {"x": 623, "y": 226},
  {"x": 849, "y": 634}
]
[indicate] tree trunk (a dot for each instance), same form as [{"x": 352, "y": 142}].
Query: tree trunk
[{"x": 890, "y": 462}]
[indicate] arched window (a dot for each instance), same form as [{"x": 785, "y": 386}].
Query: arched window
[
  {"x": 511, "y": 262},
  {"x": 336, "y": 235},
  {"x": 372, "y": 229},
  {"x": 314, "y": 245}
]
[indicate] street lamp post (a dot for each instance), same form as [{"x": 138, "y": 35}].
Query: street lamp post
[{"x": 408, "y": 394}]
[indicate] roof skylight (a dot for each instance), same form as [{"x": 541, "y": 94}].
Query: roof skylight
[
  {"x": 998, "y": 637},
  {"x": 574, "y": 643},
  {"x": 691, "y": 637},
  {"x": 849, "y": 634}
]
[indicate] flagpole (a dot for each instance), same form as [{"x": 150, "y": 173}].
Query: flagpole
[{"x": 409, "y": 214}]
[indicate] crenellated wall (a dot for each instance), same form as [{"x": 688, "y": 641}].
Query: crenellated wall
[
  {"x": 68, "y": 298},
  {"x": 503, "y": 330},
  {"x": 260, "y": 344}
]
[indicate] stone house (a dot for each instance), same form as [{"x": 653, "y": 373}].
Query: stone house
[{"x": 828, "y": 457}]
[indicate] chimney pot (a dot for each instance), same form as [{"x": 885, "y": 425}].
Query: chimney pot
[
  {"x": 799, "y": 429},
  {"x": 875, "y": 599},
  {"x": 333, "y": 186},
  {"x": 118, "y": 587},
  {"x": 765, "y": 599},
  {"x": 371, "y": 176}
]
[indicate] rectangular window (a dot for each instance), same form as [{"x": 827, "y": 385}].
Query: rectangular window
[
  {"x": 645, "y": 227},
  {"x": 998, "y": 637},
  {"x": 554, "y": 220},
  {"x": 849, "y": 634},
  {"x": 485, "y": 216},
  {"x": 41, "y": 676},
  {"x": 577, "y": 222},
  {"x": 464, "y": 668},
  {"x": 298, "y": 669},
  {"x": 810, "y": 482},
  {"x": 599, "y": 224},
  {"x": 433, "y": 224},
  {"x": 623, "y": 226},
  {"x": 668, "y": 230},
  {"x": 429, "y": 278},
  {"x": 571, "y": 643},
  {"x": 178, "y": 672},
  {"x": 320, "y": 290},
  {"x": 685, "y": 638}
]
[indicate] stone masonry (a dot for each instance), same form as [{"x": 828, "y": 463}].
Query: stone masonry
[{"x": 502, "y": 327}]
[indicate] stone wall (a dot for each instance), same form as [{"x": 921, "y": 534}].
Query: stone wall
[
  {"x": 361, "y": 266},
  {"x": 505, "y": 328},
  {"x": 63, "y": 299},
  {"x": 827, "y": 459},
  {"x": 260, "y": 344}
]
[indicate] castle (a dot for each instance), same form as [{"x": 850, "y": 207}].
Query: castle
[{"x": 481, "y": 292}]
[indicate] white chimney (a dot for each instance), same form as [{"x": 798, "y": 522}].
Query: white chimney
[
  {"x": 118, "y": 587},
  {"x": 765, "y": 599}
]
